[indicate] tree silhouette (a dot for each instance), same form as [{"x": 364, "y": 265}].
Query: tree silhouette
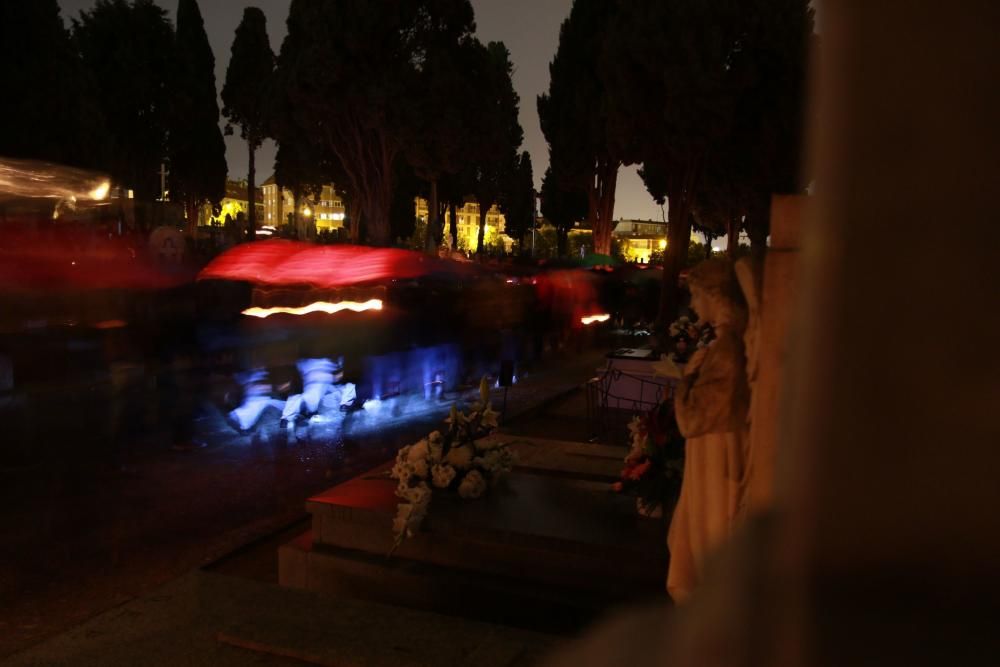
[
  {"x": 770, "y": 70},
  {"x": 402, "y": 212},
  {"x": 708, "y": 97},
  {"x": 495, "y": 164},
  {"x": 439, "y": 134},
  {"x": 561, "y": 207},
  {"x": 40, "y": 67},
  {"x": 128, "y": 49},
  {"x": 354, "y": 85},
  {"x": 574, "y": 115},
  {"x": 518, "y": 203},
  {"x": 197, "y": 149},
  {"x": 670, "y": 104},
  {"x": 245, "y": 94}
]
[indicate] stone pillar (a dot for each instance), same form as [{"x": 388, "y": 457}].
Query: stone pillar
[
  {"x": 776, "y": 305},
  {"x": 890, "y": 447}
]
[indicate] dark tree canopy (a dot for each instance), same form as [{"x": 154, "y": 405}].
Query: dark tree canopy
[
  {"x": 770, "y": 70},
  {"x": 671, "y": 104},
  {"x": 50, "y": 112},
  {"x": 128, "y": 49},
  {"x": 402, "y": 212},
  {"x": 438, "y": 133},
  {"x": 708, "y": 97},
  {"x": 248, "y": 79},
  {"x": 197, "y": 150},
  {"x": 246, "y": 92},
  {"x": 563, "y": 208},
  {"x": 519, "y": 199},
  {"x": 494, "y": 167},
  {"x": 574, "y": 115},
  {"x": 351, "y": 69}
]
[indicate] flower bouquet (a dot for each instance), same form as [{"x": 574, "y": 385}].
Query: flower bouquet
[
  {"x": 457, "y": 461},
  {"x": 655, "y": 463},
  {"x": 687, "y": 335}
]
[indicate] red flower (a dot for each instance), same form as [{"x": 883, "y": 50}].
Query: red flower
[
  {"x": 636, "y": 472},
  {"x": 617, "y": 487}
]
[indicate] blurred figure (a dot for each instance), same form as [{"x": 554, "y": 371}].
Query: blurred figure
[
  {"x": 256, "y": 398},
  {"x": 318, "y": 379}
]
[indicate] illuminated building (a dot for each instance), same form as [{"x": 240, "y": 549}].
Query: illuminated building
[
  {"x": 468, "y": 225},
  {"x": 235, "y": 202},
  {"x": 326, "y": 209},
  {"x": 641, "y": 238}
]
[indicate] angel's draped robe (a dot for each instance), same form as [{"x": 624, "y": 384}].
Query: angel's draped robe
[{"x": 711, "y": 403}]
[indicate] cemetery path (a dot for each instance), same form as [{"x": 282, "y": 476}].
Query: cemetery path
[{"x": 79, "y": 540}]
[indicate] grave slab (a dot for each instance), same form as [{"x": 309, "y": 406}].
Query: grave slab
[{"x": 551, "y": 535}]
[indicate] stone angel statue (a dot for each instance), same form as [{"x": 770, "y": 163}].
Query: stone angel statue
[{"x": 712, "y": 402}]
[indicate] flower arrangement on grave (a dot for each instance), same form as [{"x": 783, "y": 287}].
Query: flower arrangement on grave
[
  {"x": 686, "y": 336},
  {"x": 655, "y": 462},
  {"x": 460, "y": 461}
]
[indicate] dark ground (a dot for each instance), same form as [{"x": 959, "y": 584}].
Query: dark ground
[{"x": 80, "y": 539}]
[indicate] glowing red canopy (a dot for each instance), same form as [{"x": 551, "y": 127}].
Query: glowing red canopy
[{"x": 278, "y": 262}]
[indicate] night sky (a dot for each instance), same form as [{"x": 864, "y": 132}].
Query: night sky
[{"x": 529, "y": 28}]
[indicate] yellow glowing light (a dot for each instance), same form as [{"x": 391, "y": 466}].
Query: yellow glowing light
[
  {"x": 229, "y": 207},
  {"x": 317, "y": 307},
  {"x": 100, "y": 193},
  {"x": 587, "y": 321},
  {"x": 663, "y": 244},
  {"x": 307, "y": 212}
]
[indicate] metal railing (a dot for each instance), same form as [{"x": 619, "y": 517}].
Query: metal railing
[{"x": 609, "y": 412}]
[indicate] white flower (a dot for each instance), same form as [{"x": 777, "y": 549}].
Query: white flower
[
  {"x": 420, "y": 468},
  {"x": 460, "y": 457},
  {"x": 490, "y": 418},
  {"x": 419, "y": 451},
  {"x": 456, "y": 418},
  {"x": 473, "y": 485},
  {"x": 436, "y": 451},
  {"x": 442, "y": 475},
  {"x": 411, "y": 514},
  {"x": 496, "y": 462},
  {"x": 634, "y": 427},
  {"x": 418, "y": 495},
  {"x": 403, "y": 469}
]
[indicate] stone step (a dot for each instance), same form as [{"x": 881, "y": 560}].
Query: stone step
[
  {"x": 551, "y": 530},
  {"x": 506, "y": 600},
  {"x": 336, "y": 631}
]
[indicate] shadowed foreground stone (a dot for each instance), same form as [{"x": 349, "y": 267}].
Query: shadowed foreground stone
[{"x": 209, "y": 619}]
